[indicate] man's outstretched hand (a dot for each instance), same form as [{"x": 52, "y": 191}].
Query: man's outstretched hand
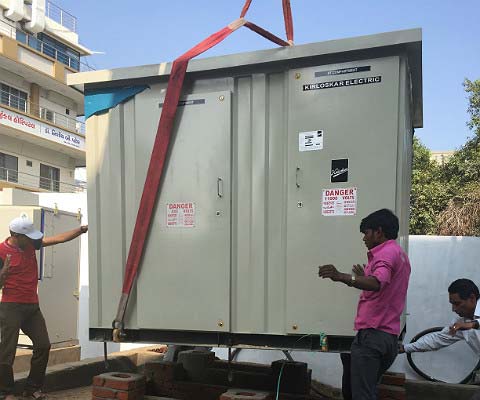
[
  {"x": 329, "y": 271},
  {"x": 359, "y": 270},
  {"x": 461, "y": 326}
]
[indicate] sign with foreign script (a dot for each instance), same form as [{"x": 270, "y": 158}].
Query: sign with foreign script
[
  {"x": 63, "y": 137},
  {"x": 337, "y": 202},
  {"x": 19, "y": 121},
  {"x": 41, "y": 129},
  {"x": 180, "y": 215}
]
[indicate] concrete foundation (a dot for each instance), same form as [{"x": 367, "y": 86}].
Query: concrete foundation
[{"x": 57, "y": 356}]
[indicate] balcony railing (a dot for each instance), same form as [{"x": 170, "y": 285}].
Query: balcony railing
[
  {"x": 38, "y": 45},
  {"x": 59, "y": 15},
  {"x": 47, "y": 49},
  {"x": 39, "y": 183},
  {"x": 45, "y": 114}
]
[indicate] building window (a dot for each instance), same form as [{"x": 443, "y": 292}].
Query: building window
[
  {"x": 51, "y": 47},
  {"x": 8, "y": 168},
  {"x": 47, "y": 114},
  {"x": 12, "y": 97},
  {"x": 59, "y": 51},
  {"x": 49, "y": 178}
]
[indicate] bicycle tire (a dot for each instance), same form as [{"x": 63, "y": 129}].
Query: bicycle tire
[{"x": 423, "y": 374}]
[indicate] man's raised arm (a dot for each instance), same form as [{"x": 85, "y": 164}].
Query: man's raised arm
[{"x": 65, "y": 236}]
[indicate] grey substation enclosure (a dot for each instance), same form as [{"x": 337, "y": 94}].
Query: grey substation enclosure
[{"x": 276, "y": 156}]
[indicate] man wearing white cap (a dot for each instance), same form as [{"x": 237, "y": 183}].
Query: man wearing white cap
[{"x": 19, "y": 307}]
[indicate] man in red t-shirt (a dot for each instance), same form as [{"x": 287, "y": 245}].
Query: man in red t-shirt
[{"x": 19, "y": 308}]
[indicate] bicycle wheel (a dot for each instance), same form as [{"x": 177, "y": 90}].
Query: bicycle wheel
[{"x": 452, "y": 364}]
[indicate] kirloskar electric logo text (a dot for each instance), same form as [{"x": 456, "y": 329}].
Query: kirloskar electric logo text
[
  {"x": 339, "y": 170},
  {"x": 344, "y": 83}
]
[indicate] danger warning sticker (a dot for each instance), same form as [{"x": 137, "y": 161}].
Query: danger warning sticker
[
  {"x": 180, "y": 215},
  {"x": 337, "y": 202}
]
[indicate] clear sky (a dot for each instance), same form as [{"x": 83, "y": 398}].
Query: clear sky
[{"x": 137, "y": 32}]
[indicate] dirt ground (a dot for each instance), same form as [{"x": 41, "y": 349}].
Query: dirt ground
[{"x": 83, "y": 393}]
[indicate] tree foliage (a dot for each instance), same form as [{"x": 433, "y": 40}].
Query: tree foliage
[
  {"x": 445, "y": 199},
  {"x": 473, "y": 90},
  {"x": 461, "y": 217},
  {"x": 428, "y": 196}
]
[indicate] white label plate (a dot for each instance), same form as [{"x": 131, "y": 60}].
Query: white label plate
[{"x": 310, "y": 141}]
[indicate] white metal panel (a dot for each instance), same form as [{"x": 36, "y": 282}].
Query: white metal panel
[
  {"x": 356, "y": 122},
  {"x": 191, "y": 265},
  {"x": 58, "y": 289}
]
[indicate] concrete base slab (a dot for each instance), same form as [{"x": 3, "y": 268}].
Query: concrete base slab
[
  {"x": 77, "y": 374},
  {"x": 57, "y": 356},
  {"x": 73, "y": 375},
  {"x": 81, "y": 393}
]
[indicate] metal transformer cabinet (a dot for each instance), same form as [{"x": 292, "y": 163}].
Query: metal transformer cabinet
[{"x": 277, "y": 155}]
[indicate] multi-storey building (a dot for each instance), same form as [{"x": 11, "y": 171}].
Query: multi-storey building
[
  {"x": 41, "y": 139},
  {"x": 441, "y": 157}
]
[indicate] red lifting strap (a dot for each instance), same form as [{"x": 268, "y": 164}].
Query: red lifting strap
[
  {"x": 245, "y": 8},
  {"x": 287, "y": 16},
  {"x": 161, "y": 146}
]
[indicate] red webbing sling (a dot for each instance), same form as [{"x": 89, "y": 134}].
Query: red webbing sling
[{"x": 161, "y": 146}]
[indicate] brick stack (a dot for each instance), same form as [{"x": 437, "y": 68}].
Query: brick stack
[
  {"x": 392, "y": 387},
  {"x": 119, "y": 386},
  {"x": 162, "y": 376},
  {"x": 169, "y": 379}
]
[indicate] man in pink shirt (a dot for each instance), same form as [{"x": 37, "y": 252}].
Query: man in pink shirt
[{"x": 384, "y": 283}]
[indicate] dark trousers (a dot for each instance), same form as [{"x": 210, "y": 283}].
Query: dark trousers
[
  {"x": 28, "y": 318},
  {"x": 346, "y": 377},
  {"x": 372, "y": 353}
]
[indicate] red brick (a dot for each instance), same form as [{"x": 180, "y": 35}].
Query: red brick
[
  {"x": 394, "y": 379},
  {"x": 119, "y": 380},
  {"x": 98, "y": 380},
  {"x": 387, "y": 392},
  {"x": 245, "y": 394},
  {"x": 107, "y": 393},
  {"x": 103, "y": 392}
]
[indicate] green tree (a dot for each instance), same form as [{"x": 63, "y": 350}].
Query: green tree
[
  {"x": 473, "y": 90},
  {"x": 461, "y": 177},
  {"x": 429, "y": 196}
]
